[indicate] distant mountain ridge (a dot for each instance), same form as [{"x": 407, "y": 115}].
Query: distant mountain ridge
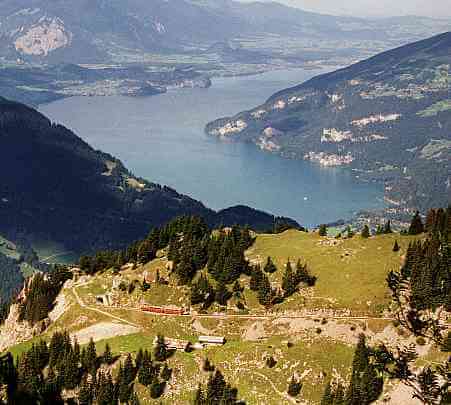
[
  {"x": 56, "y": 187},
  {"x": 52, "y": 31},
  {"x": 387, "y": 117}
]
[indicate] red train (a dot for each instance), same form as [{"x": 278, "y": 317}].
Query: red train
[{"x": 164, "y": 310}]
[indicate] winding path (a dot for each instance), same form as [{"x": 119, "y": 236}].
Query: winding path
[{"x": 83, "y": 305}]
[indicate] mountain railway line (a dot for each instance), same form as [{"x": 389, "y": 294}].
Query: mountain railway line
[{"x": 222, "y": 316}]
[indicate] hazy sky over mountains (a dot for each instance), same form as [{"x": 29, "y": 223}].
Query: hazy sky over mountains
[{"x": 433, "y": 8}]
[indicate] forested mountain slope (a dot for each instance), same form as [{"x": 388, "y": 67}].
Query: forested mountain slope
[
  {"x": 56, "y": 187},
  {"x": 190, "y": 313},
  {"x": 388, "y": 118}
]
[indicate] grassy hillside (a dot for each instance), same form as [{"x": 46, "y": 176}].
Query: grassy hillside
[
  {"x": 316, "y": 346},
  {"x": 351, "y": 272}
]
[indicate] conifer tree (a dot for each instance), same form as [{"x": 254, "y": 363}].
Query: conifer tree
[
  {"x": 215, "y": 388},
  {"x": 237, "y": 289},
  {"x": 222, "y": 294},
  {"x": 265, "y": 293},
  {"x": 207, "y": 366},
  {"x": 366, "y": 232},
  {"x": 322, "y": 230},
  {"x": 294, "y": 387},
  {"x": 139, "y": 358},
  {"x": 387, "y": 227},
  {"x": 256, "y": 277},
  {"x": 199, "y": 398},
  {"x": 105, "y": 390},
  {"x": 107, "y": 356},
  {"x": 89, "y": 360},
  {"x": 51, "y": 391},
  {"x": 160, "y": 352},
  {"x": 166, "y": 373},
  {"x": 156, "y": 388},
  {"x": 85, "y": 395},
  {"x": 146, "y": 371},
  {"x": 270, "y": 267},
  {"x": 289, "y": 283},
  {"x": 70, "y": 372},
  {"x": 379, "y": 230},
  {"x": 416, "y": 226},
  {"x": 366, "y": 385},
  {"x": 129, "y": 370},
  {"x": 124, "y": 386}
]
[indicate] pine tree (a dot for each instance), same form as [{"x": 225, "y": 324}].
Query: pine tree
[
  {"x": 366, "y": 232},
  {"x": 366, "y": 385},
  {"x": 139, "y": 358},
  {"x": 107, "y": 356},
  {"x": 199, "y": 398},
  {"x": 294, "y": 387},
  {"x": 89, "y": 359},
  {"x": 129, "y": 370},
  {"x": 215, "y": 388},
  {"x": 396, "y": 246},
  {"x": 379, "y": 230},
  {"x": 166, "y": 373},
  {"x": 207, "y": 366},
  {"x": 237, "y": 289},
  {"x": 222, "y": 294},
  {"x": 85, "y": 395},
  {"x": 70, "y": 371},
  {"x": 322, "y": 230},
  {"x": 156, "y": 388},
  {"x": 265, "y": 293},
  {"x": 289, "y": 283},
  {"x": 146, "y": 372},
  {"x": 416, "y": 226},
  {"x": 124, "y": 387},
  {"x": 160, "y": 352},
  {"x": 256, "y": 277},
  {"x": 270, "y": 267},
  {"x": 387, "y": 227},
  {"x": 105, "y": 390}
]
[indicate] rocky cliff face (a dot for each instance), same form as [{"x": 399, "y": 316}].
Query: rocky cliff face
[{"x": 13, "y": 331}]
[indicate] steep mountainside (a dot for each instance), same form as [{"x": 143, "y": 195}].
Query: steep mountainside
[
  {"x": 388, "y": 118},
  {"x": 268, "y": 311},
  {"x": 56, "y": 187},
  {"x": 53, "y": 30}
]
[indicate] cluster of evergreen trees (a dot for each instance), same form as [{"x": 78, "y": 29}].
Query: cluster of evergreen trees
[
  {"x": 217, "y": 390},
  {"x": 192, "y": 247},
  {"x": 291, "y": 280},
  {"x": 144, "y": 250},
  {"x": 223, "y": 255},
  {"x": 365, "y": 386},
  {"x": 427, "y": 267},
  {"x": 42, "y": 373},
  {"x": 41, "y": 292}
]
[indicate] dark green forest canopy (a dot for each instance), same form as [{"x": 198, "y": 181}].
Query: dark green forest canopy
[{"x": 59, "y": 188}]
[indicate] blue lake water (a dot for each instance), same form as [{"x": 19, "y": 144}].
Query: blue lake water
[{"x": 161, "y": 138}]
